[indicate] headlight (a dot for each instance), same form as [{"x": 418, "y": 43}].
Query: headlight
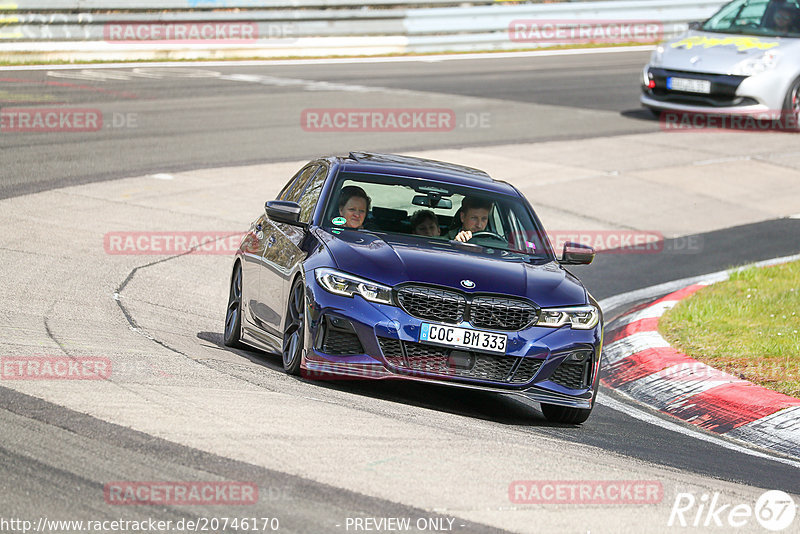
[
  {"x": 579, "y": 317},
  {"x": 347, "y": 285},
  {"x": 657, "y": 57},
  {"x": 752, "y": 66}
]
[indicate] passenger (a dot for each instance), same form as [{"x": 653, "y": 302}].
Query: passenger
[
  {"x": 425, "y": 222},
  {"x": 354, "y": 204},
  {"x": 474, "y": 214}
]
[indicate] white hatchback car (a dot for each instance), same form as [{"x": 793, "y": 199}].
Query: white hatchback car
[{"x": 744, "y": 60}]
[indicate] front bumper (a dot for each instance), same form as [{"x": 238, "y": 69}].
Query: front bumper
[
  {"x": 730, "y": 95},
  {"x": 382, "y": 339}
]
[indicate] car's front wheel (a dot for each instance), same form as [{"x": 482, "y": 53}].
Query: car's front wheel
[
  {"x": 294, "y": 331},
  {"x": 790, "y": 114},
  {"x": 233, "y": 315},
  {"x": 565, "y": 414}
]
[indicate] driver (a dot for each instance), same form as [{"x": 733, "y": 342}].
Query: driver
[
  {"x": 783, "y": 19},
  {"x": 474, "y": 215}
]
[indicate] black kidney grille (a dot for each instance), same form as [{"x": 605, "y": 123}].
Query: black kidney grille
[
  {"x": 570, "y": 375},
  {"x": 433, "y": 304},
  {"x": 527, "y": 370},
  {"x": 501, "y": 313},
  {"x": 445, "y": 306}
]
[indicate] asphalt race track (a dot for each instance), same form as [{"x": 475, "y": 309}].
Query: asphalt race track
[
  {"x": 197, "y": 117},
  {"x": 188, "y": 147}
]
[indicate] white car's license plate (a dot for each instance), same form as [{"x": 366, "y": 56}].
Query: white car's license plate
[
  {"x": 689, "y": 85},
  {"x": 464, "y": 338}
]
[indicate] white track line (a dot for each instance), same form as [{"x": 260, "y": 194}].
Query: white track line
[{"x": 341, "y": 61}]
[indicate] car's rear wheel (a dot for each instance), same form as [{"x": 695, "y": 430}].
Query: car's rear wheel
[
  {"x": 233, "y": 315},
  {"x": 294, "y": 331},
  {"x": 790, "y": 114},
  {"x": 565, "y": 414}
]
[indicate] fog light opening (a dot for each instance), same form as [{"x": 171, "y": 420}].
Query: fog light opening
[{"x": 579, "y": 357}]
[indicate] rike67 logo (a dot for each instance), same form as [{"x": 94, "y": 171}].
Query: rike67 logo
[{"x": 774, "y": 510}]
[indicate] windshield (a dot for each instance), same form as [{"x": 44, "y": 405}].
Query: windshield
[
  {"x": 433, "y": 211},
  {"x": 757, "y": 17}
]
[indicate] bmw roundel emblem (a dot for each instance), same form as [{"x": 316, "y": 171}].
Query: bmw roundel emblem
[{"x": 469, "y": 284}]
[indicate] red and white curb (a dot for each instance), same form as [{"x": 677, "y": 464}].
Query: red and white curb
[{"x": 642, "y": 364}]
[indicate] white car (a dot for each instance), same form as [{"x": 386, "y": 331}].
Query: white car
[{"x": 744, "y": 60}]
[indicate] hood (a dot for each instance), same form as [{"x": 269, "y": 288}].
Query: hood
[
  {"x": 394, "y": 259},
  {"x": 698, "y": 51}
]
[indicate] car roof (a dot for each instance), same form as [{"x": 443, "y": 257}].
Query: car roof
[{"x": 437, "y": 171}]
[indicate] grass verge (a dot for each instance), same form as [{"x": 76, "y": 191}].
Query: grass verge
[{"x": 747, "y": 326}]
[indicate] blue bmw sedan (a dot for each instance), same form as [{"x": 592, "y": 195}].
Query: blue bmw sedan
[{"x": 382, "y": 266}]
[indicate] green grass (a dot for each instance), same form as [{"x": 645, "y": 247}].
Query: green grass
[{"x": 747, "y": 326}]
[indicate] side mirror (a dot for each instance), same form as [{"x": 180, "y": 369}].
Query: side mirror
[
  {"x": 695, "y": 25},
  {"x": 284, "y": 212},
  {"x": 577, "y": 254}
]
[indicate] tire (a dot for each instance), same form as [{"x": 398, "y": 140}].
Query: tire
[
  {"x": 295, "y": 329},
  {"x": 790, "y": 113},
  {"x": 233, "y": 315},
  {"x": 564, "y": 414}
]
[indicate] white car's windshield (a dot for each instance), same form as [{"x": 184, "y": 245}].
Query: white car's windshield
[{"x": 770, "y": 18}]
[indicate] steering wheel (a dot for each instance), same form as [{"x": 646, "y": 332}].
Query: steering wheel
[{"x": 487, "y": 233}]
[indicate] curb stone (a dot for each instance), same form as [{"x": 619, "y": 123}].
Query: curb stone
[{"x": 642, "y": 364}]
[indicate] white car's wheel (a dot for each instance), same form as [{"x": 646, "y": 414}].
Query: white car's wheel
[{"x": 790, "y": 113}]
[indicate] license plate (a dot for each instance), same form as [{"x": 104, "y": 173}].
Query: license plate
[
  {"x": 689, "y": 85},
  {"x": 463, "y": 338}
]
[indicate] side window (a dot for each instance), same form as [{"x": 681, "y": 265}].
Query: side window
[
  {"x": 495, "y": 221},
  {"x": 308, "y": 200},
  {"x": 289, "y": 184},
  {"x": 293, "y": 193}
]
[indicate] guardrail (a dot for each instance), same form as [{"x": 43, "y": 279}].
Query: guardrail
[{"x": 146, "y": 29}]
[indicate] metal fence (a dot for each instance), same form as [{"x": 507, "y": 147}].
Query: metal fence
[{"x": 260, "y": 28}]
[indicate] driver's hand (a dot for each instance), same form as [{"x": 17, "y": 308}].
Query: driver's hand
[{"x": 463, "y": 236}]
